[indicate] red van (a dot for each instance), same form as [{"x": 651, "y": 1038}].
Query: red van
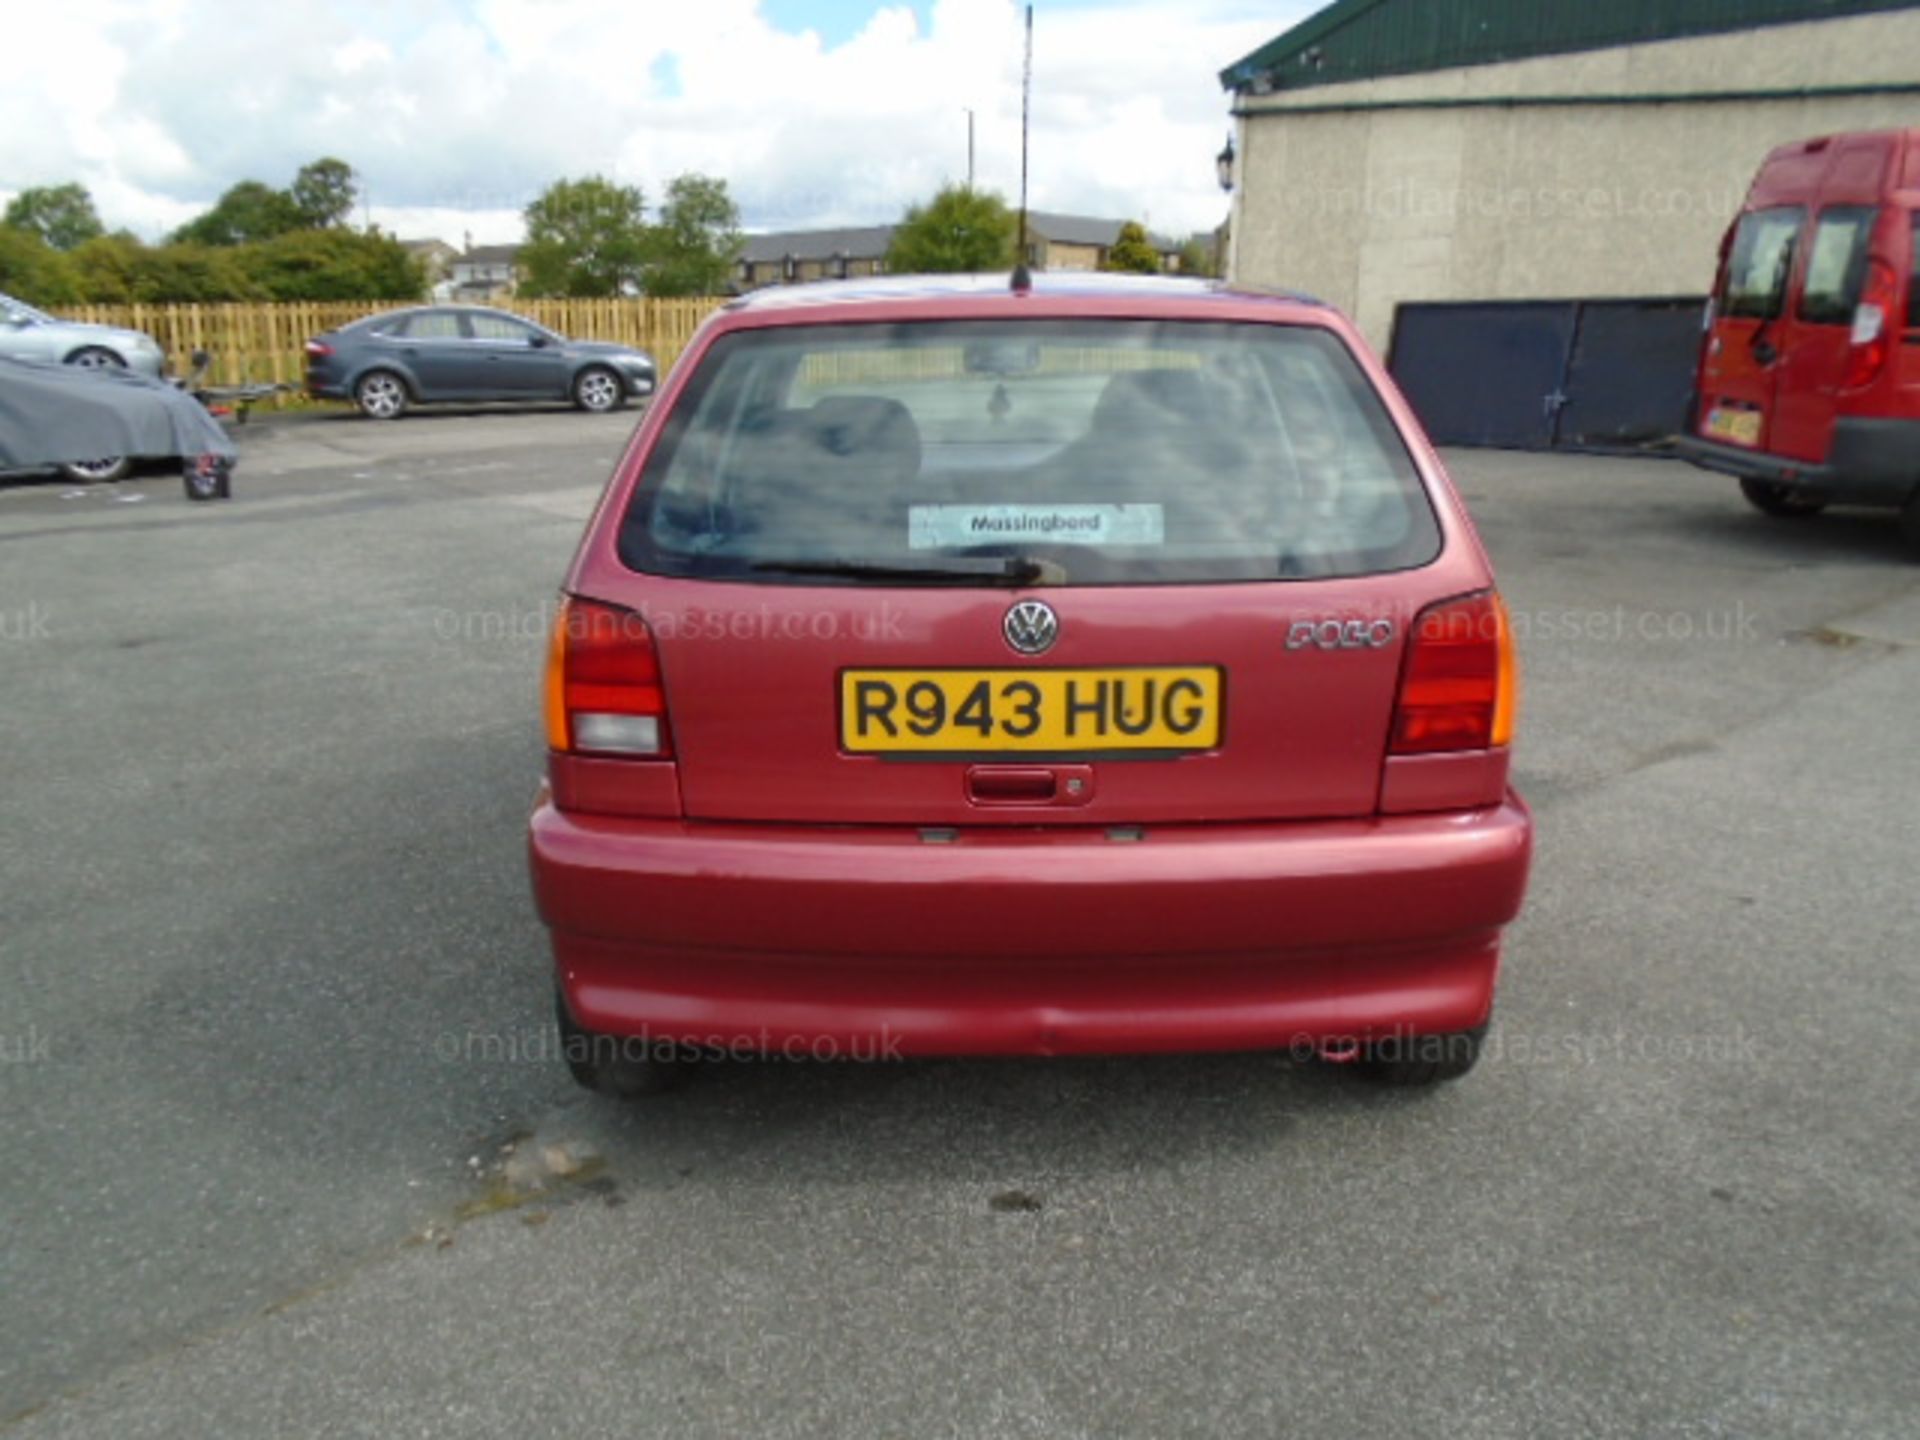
[{"x": 1809, "y": 380}]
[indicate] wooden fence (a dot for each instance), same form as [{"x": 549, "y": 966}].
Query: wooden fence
[{"x": 263, "y": 341}]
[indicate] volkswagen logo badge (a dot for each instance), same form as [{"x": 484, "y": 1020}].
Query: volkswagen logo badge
[{"x": 1031, "y": 627}]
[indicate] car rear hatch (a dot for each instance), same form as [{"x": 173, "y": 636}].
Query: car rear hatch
[{"x": 1035, "y": 572}]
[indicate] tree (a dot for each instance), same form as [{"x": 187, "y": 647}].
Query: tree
[
  {"x": 1199, "y": 255},
  {"x": 323, "y": 193},
  {"x": 1132, "y": 251},
  {"x": 585, "y": 238},
  {"x": 33, "y": 270},
  {"x": 248, "y": 212},
  {"x": 959, "y": 229},
  {"x": 118, "y": 269},
  {"x": 695, "y": 245},
  {"x": 61, "y": 215},
  {"x": 332, "y": 265}
]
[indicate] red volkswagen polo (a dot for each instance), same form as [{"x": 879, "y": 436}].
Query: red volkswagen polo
[{"x": 965, "y": 666}]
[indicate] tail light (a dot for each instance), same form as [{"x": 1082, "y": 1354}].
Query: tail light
[
  {"x": 604, "y": 695},
  {"x": 1460, "y": 682},
  {"x": 1870, "y": 339},
  {"x": 319, "y": 349}
]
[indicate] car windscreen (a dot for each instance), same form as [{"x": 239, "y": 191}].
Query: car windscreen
[
  {"x": 1078, "y": 451},
  {"x": 19, "y": 309}
]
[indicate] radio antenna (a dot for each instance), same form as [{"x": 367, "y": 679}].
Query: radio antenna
[{"x": 1022, "y": 276}]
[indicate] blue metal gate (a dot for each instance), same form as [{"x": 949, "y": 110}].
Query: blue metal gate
[{"x": 1548, "y": 374}]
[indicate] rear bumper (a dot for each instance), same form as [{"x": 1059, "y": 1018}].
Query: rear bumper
[
  {"x": 1869, "y": 462},
  {"x": 863, "y": 941}
]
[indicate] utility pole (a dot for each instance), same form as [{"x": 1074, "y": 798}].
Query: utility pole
[{"x": 969, "y": 110}]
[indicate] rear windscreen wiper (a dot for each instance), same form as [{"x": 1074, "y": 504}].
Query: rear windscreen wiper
[{"x": 985, "y": 570}]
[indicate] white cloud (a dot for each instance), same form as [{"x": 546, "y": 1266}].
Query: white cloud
[{"x": 457, "y": 112}]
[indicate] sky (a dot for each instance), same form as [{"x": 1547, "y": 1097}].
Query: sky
[{"x": 456, "y": 113}]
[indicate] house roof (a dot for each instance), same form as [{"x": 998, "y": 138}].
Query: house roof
[
  {"x": 490, "y": 255},
  {"x": 421, "y": 246},
  {"x": 860, "y": 242},
  {"x": 1086, "y": 230},
  {"x": 1365, "y": 39}
]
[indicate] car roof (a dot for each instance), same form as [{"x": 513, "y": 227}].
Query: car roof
[
  {"x": 1075, "y": 284},
  {"x": 403, "y": 310}
]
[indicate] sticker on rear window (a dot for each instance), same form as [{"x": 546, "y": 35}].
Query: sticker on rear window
[{"x": 943, "y": 527}]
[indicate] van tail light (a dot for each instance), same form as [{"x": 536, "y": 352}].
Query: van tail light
[
  {"x": 1870, "y": 338},
  {"x": 1459, "y": 682},
  {"x": 604, "y": 695}
]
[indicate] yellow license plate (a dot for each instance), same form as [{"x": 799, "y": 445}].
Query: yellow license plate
[
  {"x": 1740, "y": 426},
  {"x": 974, "y": 712}
]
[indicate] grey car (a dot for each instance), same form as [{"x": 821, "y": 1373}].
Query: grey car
[
  {"x": 386, "y": 363},
  {"x": 30, "y": 334}
]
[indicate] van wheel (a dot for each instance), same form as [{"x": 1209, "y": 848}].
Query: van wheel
[
  {"x": 612, "y": 1065},
  {"x": 1410, "y": 1060},
  {"x": 1910, "y": 523},
  {"x": 1783, "y": 502}
]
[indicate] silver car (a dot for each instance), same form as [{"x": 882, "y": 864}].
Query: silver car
[{"x": 30, "y": 334}]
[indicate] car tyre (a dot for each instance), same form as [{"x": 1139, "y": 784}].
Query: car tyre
[
  {"x": 1910, "y": 522},
  {"x": 96, "y": 357},
  {"x": 1783, "y": 502},
  {"x": 598, "y": 390},
  {"x": 1415, "y": 1060},
  {"x": 98, "y": 472},
  {"x": 381, "y": 395},
  {"x": 606, "y": 1064}
]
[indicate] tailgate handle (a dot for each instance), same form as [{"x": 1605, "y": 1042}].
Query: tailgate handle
[{"x": 1011, "y": 785}]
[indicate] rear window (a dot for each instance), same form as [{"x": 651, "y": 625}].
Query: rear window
[
  {"x": 1073, "y": 452},
  {"x": 1836, "y": 264},
  {"x": 1756, "y": 274}
]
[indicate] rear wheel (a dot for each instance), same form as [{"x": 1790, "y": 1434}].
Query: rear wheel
[
  {"x": 614, "y": 1065},
  {"x": 96, "y": 357},
  {"x": 599, "y": 390},
  {"x": 1784, "y": 502},
  {"x": 1411, "y": 1060},
  {"x": 97, "y": 472},
  {"x": 381, "y": 395}
]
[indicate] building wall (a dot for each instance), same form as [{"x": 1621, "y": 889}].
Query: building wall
[
  {"x": 1427, "y": 187},
  {"x": 1059, "y": 255}
]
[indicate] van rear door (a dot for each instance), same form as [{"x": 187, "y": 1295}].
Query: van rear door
[
  {"x": 1817, "y": 333},
  {"x": 1740, "y": 369}
]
